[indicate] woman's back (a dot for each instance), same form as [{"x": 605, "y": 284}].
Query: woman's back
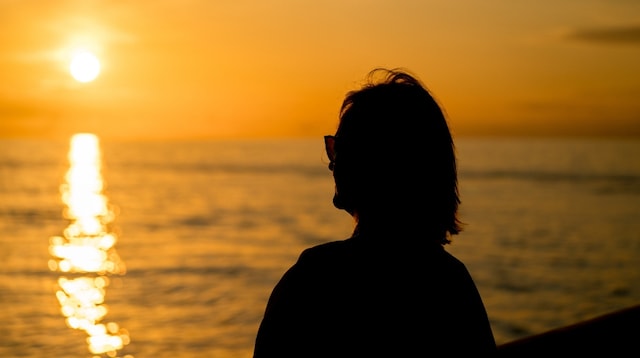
[{"x": 360, "y": 297}]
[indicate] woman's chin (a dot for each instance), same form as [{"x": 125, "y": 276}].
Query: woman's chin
[{"x": 341, "y": 203}]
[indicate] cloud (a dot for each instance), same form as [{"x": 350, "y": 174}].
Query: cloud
[{"x": 619, "y": 35}]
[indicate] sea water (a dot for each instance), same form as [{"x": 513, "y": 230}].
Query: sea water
[{"x": 205, "y": 229}]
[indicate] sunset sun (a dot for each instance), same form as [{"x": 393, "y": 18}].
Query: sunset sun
[{"x": 84, "y": 67}]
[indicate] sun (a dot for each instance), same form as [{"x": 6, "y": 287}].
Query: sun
[{"x": 84, "y": 67}]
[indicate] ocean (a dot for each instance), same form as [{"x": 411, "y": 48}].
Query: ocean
[{"x": 201, "y": 231}]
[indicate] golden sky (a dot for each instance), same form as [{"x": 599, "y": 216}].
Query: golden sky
[{"x": 178, "y": 69}]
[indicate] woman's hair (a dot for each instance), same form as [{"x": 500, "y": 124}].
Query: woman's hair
[{"x": 395, "y": 154}]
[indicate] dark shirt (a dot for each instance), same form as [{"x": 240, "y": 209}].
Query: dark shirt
[{"x": 364, "y": 297}]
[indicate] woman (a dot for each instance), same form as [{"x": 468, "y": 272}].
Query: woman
[{"x": 391, "y": 289}]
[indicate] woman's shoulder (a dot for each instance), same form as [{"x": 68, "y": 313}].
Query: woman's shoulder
[
  {"x": 364, "y": 249},
  {"x": 329, "y": 250}
]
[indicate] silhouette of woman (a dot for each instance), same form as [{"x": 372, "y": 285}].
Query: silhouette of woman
[{"x": 391, "y": 289}]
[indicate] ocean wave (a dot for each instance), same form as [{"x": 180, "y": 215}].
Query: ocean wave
[
  {"x": 548, "y": 176},
  {"x": 224, "y": 168}
]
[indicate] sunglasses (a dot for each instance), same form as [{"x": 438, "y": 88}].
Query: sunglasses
[{"x": 329, "y": 147}]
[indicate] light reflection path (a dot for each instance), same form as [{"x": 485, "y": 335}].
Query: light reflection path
[{"x": 85, "y": 255}]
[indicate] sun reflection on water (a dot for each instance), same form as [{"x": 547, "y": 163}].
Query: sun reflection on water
[{"x": 86, "y": 254}]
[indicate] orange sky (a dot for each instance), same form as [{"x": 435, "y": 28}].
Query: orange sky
[{"x": 211, "y": 69}]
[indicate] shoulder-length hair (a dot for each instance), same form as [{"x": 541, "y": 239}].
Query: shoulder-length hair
[{"x": 395, "y": 138}]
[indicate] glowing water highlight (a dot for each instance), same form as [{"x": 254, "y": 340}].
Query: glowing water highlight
[{"x": 85, "y": 254}]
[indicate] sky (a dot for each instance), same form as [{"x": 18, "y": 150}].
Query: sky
[{"x": 188, "y": 69}]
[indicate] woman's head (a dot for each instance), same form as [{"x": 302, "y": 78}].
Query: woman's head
[{"x": 394, "y": 155}]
